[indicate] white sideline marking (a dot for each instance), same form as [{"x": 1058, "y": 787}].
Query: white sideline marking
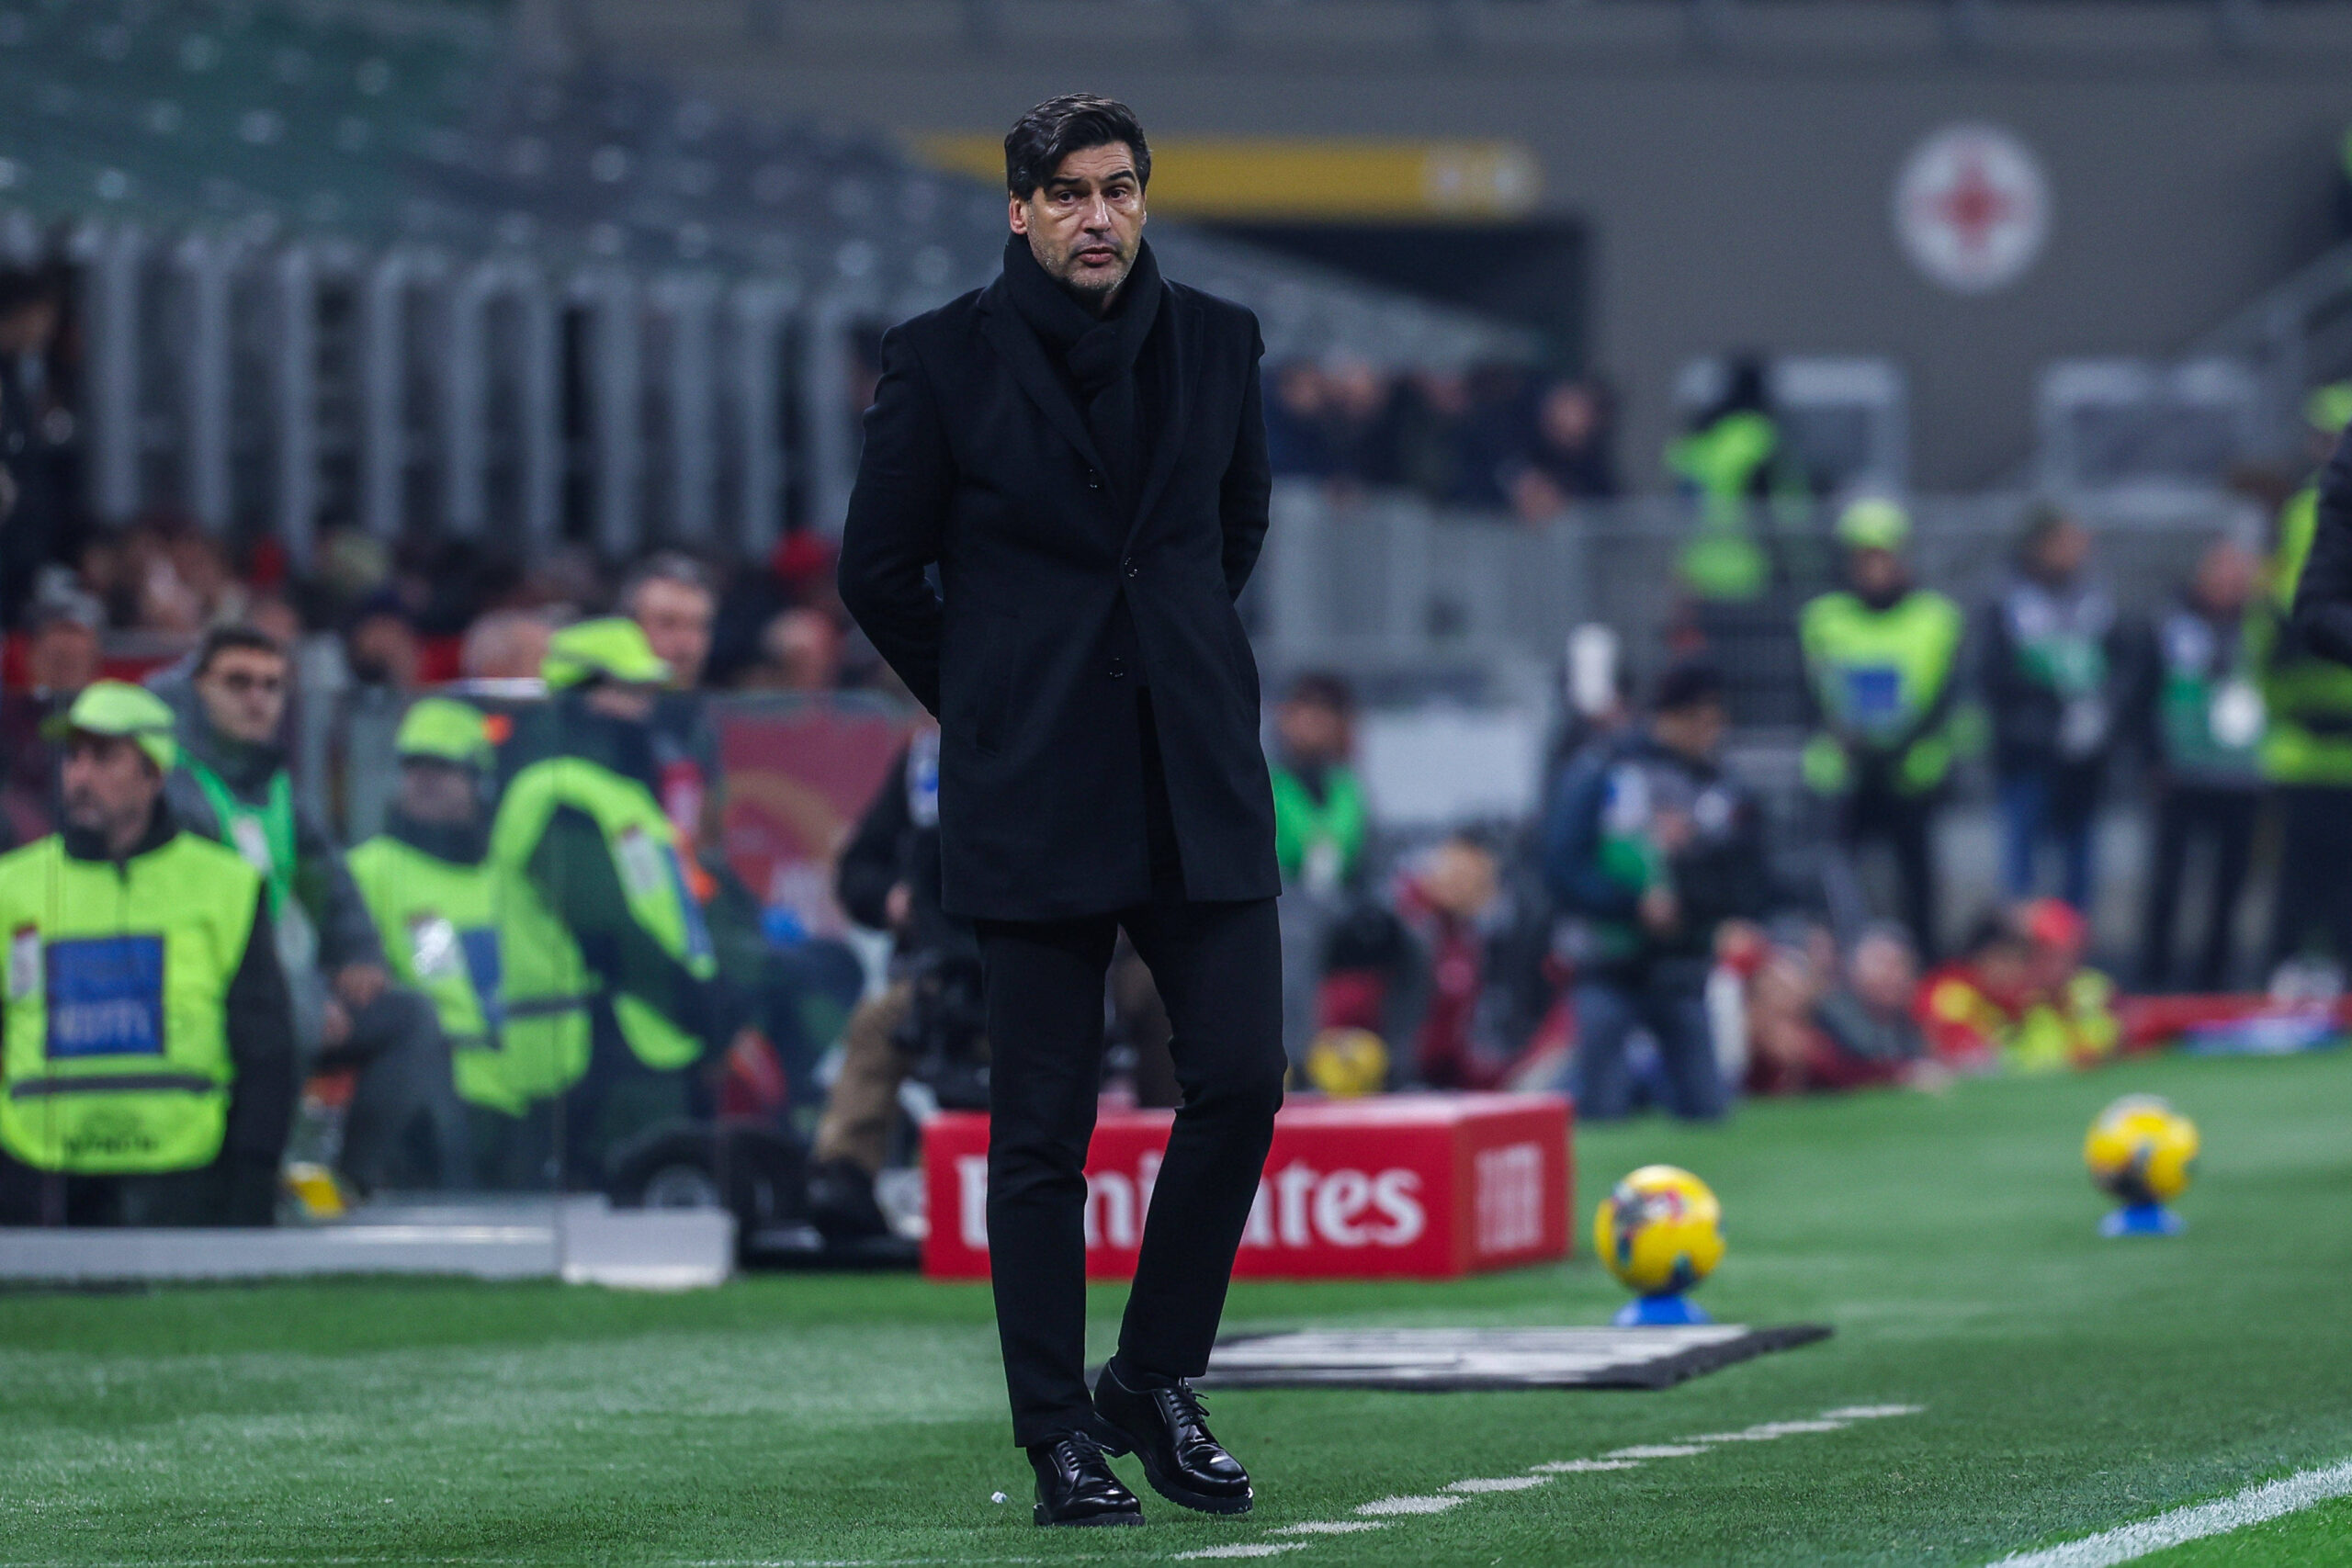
[
  {"x": 1247, "y": 1548},
  {"x": 1429, "y": 1505},
  {"x": 1329, "y": 1527},
  {"x": 1871, "y": 1411},
  {"x": 1580, "y": 1466},
  {"x": 1657, "y": 1450},
  {"x": 1499, "y": 1484},
  {"x": 2250, "y": 1506}
]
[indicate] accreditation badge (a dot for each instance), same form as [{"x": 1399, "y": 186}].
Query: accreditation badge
[
  {"x": 107, "y": 999},
  {"x": 1320, "y": 874},
  {"x": 24, "y": 963},
  {"x": 643, "y": 870},
  {"x": 433, "y": 947},
  {"x": 253, "y": 843},
  {"x": 2234, "y": 717}
]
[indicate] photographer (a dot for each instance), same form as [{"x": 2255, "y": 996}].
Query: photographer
[{"x": 925, "y": 1022}]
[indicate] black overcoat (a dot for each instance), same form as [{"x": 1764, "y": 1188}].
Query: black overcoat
[{"x": 977, "y": 459}]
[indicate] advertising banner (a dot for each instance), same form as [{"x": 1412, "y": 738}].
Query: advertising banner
[
  {"x": 1408, "y": 1186},
  {"x": 799, "y": 773}
]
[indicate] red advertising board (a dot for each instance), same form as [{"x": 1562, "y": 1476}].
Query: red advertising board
[
  {"x": 799, "y": 773},
  {"x": 1408, "y": 1186}
]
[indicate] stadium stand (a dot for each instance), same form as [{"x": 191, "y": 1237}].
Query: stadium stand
[{"x": 572, "y": 299}]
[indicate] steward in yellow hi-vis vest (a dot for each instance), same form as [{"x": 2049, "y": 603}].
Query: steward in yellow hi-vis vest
[
  {"x": 1880, "y": 657},
  {"x": 580, "y": 823},
  {"x": 146, "y": 1043},
  {"x": 2300, "y": 639},
  {"x": 502, "y": 973}
]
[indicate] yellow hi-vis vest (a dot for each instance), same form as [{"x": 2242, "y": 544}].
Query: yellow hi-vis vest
[
  {"x": 2309, "y": 740},
  {"x": 642, "y": 844},
  {"x": 1875, "y": 672},
  {"x": 453, "y": 931},
  {"x": 116, "y": 1056}
]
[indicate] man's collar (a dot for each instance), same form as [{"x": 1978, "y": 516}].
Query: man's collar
[
  {"x": 459, "y": 843},
  {"x": 87, "y": 843},
  {"x": 242, "y": 764}
]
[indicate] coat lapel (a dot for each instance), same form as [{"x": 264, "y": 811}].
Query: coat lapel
[
  {"x": 1182, "y": 327},
  {"x": 1019, "y": 348}
]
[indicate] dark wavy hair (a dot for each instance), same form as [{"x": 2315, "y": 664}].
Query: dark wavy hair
[{"x": 1041, "y": 138}]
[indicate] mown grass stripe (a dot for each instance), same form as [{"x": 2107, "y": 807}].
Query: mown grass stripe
[{"x": 2250, "y": 1506}]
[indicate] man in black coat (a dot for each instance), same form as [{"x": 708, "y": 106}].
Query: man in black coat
[{"x": 1078, "y": 450}]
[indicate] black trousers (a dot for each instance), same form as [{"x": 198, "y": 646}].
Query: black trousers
[
  {"x": 2313, "y": 914},
  {"x": 1906, "y": 824},
  {"x": 2224, "y": 819},
  {"x": 406, "y": 1127},
  {"x": 1218, "y": 969},
  {"x": 228, "y": 1191}
]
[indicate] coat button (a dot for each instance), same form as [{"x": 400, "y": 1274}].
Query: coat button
[
  {"x": 1118, "y": 668},
  {"x": 1130, "y": 568},
  {"x": 1094, "y": 480}
]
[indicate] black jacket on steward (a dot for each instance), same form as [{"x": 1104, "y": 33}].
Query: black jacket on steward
[
  {"x": 347, "y": 932},
  {"x": 2324, "y": 595},
  {"x": 978, "y": 463}
]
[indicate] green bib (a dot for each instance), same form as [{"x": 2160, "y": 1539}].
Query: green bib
[
  {"x": 504, "y": 976},
  {"x": 263, "y": 834},
  {"x": 117, "y": 1049},
  {"x": 2209, "y": 714},
  {"x": 1318, "y": 841},
  {"x": 643, "y": 846}
]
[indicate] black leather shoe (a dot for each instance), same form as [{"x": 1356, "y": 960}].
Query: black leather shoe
[
  {"x": 1167, "y": 1426},
  {"x": 1075, "y": 1485}
]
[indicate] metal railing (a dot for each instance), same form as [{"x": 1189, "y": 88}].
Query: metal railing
[
  {"x": 272, "y": 386},
  {"x": 1417, "y": 600},
  {"x": 1956, "y": 28}
]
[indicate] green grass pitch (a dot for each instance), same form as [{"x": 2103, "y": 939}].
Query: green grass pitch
[{"x": 2069, "y": 1384}]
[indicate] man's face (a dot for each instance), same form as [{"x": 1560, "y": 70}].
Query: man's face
[
  {"x": 676, "y": 617},
  {"x": 382, "y": 648},
  {"x": 64, "y": 657},
  {"x": 1875, "y": 571},
  {"x": 1884, "y": 974},
  {"x": 1085, "y": 221},
  {"x": 436, "y": 792},
  {"x": 2225, "y": 578},
  {"x": 1569, "y": 416},
  {"x": 109, "y": 784},
  {"x": 1312, "y": 731},
  {"x": 30, "y": 329},
  {"x": 243, "y": 691},
  {"x": 1693, "y": 732},
  {"x": 806, "y": 647},
  {"x": 2065, "y": 551}
]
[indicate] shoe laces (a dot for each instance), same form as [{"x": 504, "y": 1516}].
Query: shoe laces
[
  {"x": 1193, "y": 1409},
  {"x": 1083, "y": 1446}
]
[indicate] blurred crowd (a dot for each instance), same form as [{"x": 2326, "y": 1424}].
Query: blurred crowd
[
  {"x": 1643, "y": 941},
  {"x": 1659, "y": 937},
  {"x": 1636, "y": 946},
  {"x": 1494, "y": 438}
]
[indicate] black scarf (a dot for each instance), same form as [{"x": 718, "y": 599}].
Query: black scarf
[
  {"x": 459, "y": 843},
  {"x": 1098, "y": 351},
  {"x": 88, "y": 844}
]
